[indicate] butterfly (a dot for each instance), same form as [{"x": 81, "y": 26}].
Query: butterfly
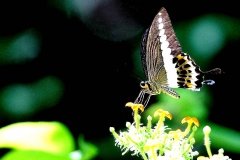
[{"x": 165, "y": 65}]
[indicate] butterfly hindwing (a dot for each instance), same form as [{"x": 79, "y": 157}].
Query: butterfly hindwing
[{"x": 189, "y": 74}]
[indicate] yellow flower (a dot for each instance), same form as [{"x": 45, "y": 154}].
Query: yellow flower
[
  {"x": 190, "y": 121},
  {"x": 162, "y": 113},
  {"x": 153, "y": 142},
  {"x": 177, "y": 135},
  {"x": 202, "y": 158},
  {"x": 135, "y": 106}
]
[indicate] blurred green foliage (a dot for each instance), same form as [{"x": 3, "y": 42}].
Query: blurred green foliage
[
  {"x": 20, "y": 100},
  {"x": 20, "y": 48},
  {"x": 43, "y": 140}
]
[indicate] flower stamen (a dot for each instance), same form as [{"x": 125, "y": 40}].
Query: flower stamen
[
  {"x": 177, "y": 135},
  {"x": 206, "y": 131},
  {"x": 136, "y": 107},
  {"x": 162, "y": 114},
  {"x": 190, "y": 121}
]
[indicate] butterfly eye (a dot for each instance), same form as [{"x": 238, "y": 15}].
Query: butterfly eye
[{"x": 143, "y": 84}]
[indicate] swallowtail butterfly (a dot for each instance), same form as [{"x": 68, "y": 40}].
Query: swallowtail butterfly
[{"x": 164, "y": 63}]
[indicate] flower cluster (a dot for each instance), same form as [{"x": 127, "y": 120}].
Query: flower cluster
[
  {"x": 155, "y": 142},
  {"x": 219, "y": 156}
]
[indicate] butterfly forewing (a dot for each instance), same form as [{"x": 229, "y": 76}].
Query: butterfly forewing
[{"x": 162, "y": 46}]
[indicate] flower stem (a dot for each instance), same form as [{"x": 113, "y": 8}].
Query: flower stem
[{"x": 143, "y": 154}]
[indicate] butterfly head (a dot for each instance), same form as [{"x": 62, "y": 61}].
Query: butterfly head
[{"x": 149, "y": 87}]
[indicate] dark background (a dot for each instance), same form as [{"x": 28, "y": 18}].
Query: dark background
[{"x": 91, "y": 54}]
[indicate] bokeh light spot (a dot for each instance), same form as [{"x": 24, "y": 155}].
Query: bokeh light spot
[{"x": 206, "y": 37}]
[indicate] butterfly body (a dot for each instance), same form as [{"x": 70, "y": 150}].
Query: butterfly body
[{"x": 164, "y": 64}]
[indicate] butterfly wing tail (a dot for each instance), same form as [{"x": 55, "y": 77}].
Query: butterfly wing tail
[{"x": 213, "y": 71}]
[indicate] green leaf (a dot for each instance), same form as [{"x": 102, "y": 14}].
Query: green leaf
[
  {"x": 52, "y": 137},
  {"x": 32, "y": 155},
  {"x": 89, "y": 151}
]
